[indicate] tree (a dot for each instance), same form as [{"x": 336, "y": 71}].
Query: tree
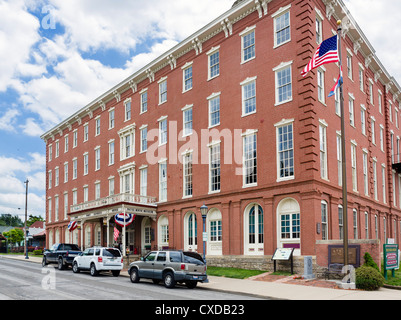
[
  {"x": 14, "y": 236},
  {"x": 9, "y": 220},
  {"x": 32, "y": 219}
]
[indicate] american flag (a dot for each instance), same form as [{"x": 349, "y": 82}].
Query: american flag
[
  {"x": 116, "y": 233},
  {"x": 327, "y": 52},
  {"x": 72, "y": 226}
]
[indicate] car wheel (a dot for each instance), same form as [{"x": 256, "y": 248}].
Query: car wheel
[
  {"x": 168, "y": 280},
  {"x": 115, "y": 273},
  {"x": 191, "y": 284},
  {"x": 44, "y": 262},
  {"x": 60, "y": 264},
  {"x": 134, "y": 276},
  {"x": 75, "y": 268},
  {"x": 93, "y": 270}
]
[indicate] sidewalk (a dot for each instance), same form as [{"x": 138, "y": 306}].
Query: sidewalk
[{"x": 261, "y": 286}]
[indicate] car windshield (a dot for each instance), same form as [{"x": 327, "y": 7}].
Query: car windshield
[
  {"x": 111, "y": 252},
  {"x": 71, "y": 247},
  {"x": 193, "y": 257}
]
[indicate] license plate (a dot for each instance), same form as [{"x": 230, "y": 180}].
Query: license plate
[
  {"x": 195, "y": 277},
  {"x": 72, "y": 255}
]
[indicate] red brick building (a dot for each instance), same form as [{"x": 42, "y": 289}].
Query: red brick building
[{"x": 225, "y": 119}]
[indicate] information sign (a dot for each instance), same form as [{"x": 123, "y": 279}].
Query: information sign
[{"x": 391, "y": 257}]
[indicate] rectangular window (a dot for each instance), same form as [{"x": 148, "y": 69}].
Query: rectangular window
[
  {"x": 363, "y": 120},
  {"x": 355, "y": 223},
  {"x": 320, "y": 85},
  {"x": 127, "y": 113},
  {"x": 144, "y": 139},
  {"x": 86, "y": 194},
  {"x": 366, "y": 225},
  {"x": 351, "y": 112},
  {"x": 349, "y": 66},
  {"x": 57, "y": 149},
  {"x": 282, "y": 29},
  {"x": 187, "y": 120},
  {"x": 97, "y": 159},
  {"x": 214, "y": 65},
  {"x": 97, "y": 126},
  {"x": 111, "y": 152},
  {"x": 163, "y": 181},
  {"x": 340, "y": 222},
  {"x": 56, "y": 208},
  {"x": 86, "y": 163},
  {"x": 250, "y": 160},
  {"x": 324, "y": 220},
  {"x": 50, "y": 181},
  {"x": 319, "y": 31},
  {"x": 187, "y": 75},
  {"x": 49, "y": 209},
  {"x": 339, "y": 161},
  {"x": 162, "y": 132},
  {"x": 65, "y": 205},
  {"x": 162, "y": 91},
  {"x": 323, "y": 151},
  {"x": 127, "y": 142},
  {"x": 74, "y": 197},
  {"x": 56, "y": 176},
  {"x": 144, "y": 182},
  {"x": 65, "y": 172},
  {"x": 380, "y": 102},
  {"x": 373, "y": 129},
  {"x": 97, "y": 191},
  {"x": 248, "y": 45},
  {"x": 361, "y": 78},
  {"x": 111, "y": 119},
  {"x": 111, "y": 186},
  {"x": 75, "y": 142},
  {"x": 365, "y": 173},
  {"x": 353, "y": 168},
  {"x": 74, "y": 168},
  {"x": 285, "y": 152},
  {"x": 66, "y": 142},
  {"x": 214, "y": 111},
  {"x": 214, "y": 168},
  {"x": 86, "y": 132},
  {"x": 283, "y": 85},
  {"x": 248, "y": 96},
  {"x": 50, "y": 152},
  {"x": 144, "y": 101},
  {"x": 188, "y": 187},
  {"x": 384, "y": 183}
]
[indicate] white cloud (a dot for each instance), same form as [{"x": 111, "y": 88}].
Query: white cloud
[
  {"x": 18, "y": 33},
  {"x": 379, "y": 22},
  {"x": 8, "y": 120}
]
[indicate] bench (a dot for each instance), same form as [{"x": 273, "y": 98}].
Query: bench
[{"x": 333, "y": 269}]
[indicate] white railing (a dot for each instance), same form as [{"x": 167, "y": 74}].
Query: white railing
[{"x": 114, "y": 199}]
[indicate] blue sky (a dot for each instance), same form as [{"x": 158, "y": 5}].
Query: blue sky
[{"x": 56, "y": 56}]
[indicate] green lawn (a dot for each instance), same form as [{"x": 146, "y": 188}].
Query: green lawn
[{"x": 232, "y": 272}]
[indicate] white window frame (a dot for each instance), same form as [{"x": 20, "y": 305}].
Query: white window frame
[
  {"x": 281, "y": 68},
  {"x": 187, "y": 173},
  {"x": 144, "y": 138},
  {"x": 281, "y": 124},
  {"x": 321, "y": 71},
  {"x": 248, "y": 158},
  {"x": 248, "y": 31},
  {"x": 86, "y": 132},
  {"x": 245, "y": 90},
  {"x": 86, "y": 163},
  {"x": 384, "y": 183},
  {"x": 66, "y": 143},
  {"x": 97, "y": 126},
  {"x": 211, "y": 54},
  {"x": 127, "y": 109},
  {"x": 74, "y": 168},
  {"x": 65, "y": 172},
  {"x": 75, "y": 138},
  {"x": 363, "y": 119},
  {"x": 162, "y": 90},
  {"x": 143, "y": 174},
  {"x": 214, "y": 167},
  {"x": 127, "y": 132},
  {"x": 163, "y": 130},
  {"x": 211, "y": 100},
  {"x": 365, "y": 172},
  {"x": 351, "y": 105},
  {"x": 112, "y": 152},
  {"x": 144, "y": 100},
  {"x": 187, "y": 126},
  {"x": 354, "y": 169},
  {"x": 277, "y": 15},
  {"x": 112, "y": 118},
  {"x": 323, "y": 149},
  {"x": 185, "y": 79},
  {"x": 163, "y": 180}
]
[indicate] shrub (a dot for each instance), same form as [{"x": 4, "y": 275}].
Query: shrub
[
  {"x": 37, "y": 252},
  {"x": 368, "y": 278},
  {"x": 369, "y": 262}
]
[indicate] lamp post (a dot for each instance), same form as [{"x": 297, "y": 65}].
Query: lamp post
[
  {"x": 204, "y": 210},
  {"x": 26, "y": 218}
]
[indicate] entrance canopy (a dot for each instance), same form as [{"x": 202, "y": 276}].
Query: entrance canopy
[{"x": 106, "y": 208}]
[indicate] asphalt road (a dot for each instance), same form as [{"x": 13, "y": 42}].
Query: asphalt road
[{"x": 20, "y": 280}]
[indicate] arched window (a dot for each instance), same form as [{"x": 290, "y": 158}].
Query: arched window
[
  {"x": 214, "y": 231},
  {"x": 254, "y": 230},
  {"x": 163, "y": 233},
  {"x": 190, "y": 232},
  {"x": 289, "y": 225}
]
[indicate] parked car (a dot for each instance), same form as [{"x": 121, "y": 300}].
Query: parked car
[
  {"x": 170, "y": 267},
  {"x": 61, "y": 253},
  {"x": 98, "y": 259}
]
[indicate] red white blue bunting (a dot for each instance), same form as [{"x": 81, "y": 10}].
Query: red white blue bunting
[
  {"x": 124, "y": 219},
  {"x": 72, "y": 226}
]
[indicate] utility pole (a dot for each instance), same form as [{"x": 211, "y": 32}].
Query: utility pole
[{"x": 26, "y": 218}]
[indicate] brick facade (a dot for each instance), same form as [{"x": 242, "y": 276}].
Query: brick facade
[{"x": 244, "y": 219}]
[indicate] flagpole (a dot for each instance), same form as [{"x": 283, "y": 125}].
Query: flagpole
[{"x": 343, "y": 154}]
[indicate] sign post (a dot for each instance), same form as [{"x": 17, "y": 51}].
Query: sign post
[
  {"x": 390, "y": 253},
  {"x": 284, "y": 254}
]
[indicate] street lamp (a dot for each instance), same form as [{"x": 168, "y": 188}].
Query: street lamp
[{"x": 204, "y": 210}]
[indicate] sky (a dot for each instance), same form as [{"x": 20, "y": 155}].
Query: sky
[{"x": 57, "y": 56}]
